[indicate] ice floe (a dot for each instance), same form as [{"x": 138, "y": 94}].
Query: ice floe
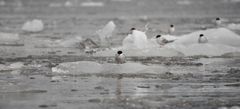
[
  {"x": 88, "y": 67},
  {"x": 35, "y": 25},
  {"x": 92, "y": 4},
  {"x": 234, "y": 26},
  {"x": 106, "y": 32},
  {"x": 220, "y": 41}
]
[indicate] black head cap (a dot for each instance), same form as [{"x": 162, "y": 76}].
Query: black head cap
[
  {"x": 217, "y": 18},
  {"x": 119, "y": 52},
  {"x": 171, "y": 25},
  {"x": 158, "y": 36},
  {"x": 201, "y": 35},
  {"x": 133, "y": 29}
]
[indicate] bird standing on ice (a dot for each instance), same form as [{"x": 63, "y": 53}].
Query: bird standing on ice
[
  {"x": 218, "y": 21},
  {"x": 202, "y": 39},
  {"x": 171, "y": 29},
  {"x": 131, "y": 30},
  {"x": 136, "y": 40},
  {"x": 160, "y": 40},
  {"x": 120, "y": 57}
]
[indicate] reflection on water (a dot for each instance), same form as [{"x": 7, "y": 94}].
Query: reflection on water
[{"x": 119, "y": 87}]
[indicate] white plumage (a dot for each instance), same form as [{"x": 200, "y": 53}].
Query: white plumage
[
  {"x": 202, "y": 39},
  {"x": 120, "y": 58},
  {"x": 171, "y": 29},
  {"x": 218, "y": 21}
]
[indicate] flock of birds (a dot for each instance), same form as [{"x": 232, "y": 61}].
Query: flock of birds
[{"x": 120, "y": 57}]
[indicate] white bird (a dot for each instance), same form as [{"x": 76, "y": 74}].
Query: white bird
[
  {"x": 131, "y": 30},
  {"x": 120, "y": 57},
  {"x": 171, "y": 29},
  {"x": 218, "y": 21},
  {"x": 202, "y": 39},
  {"x": 162, "y": 40},
  {"x": 136, "y": 39}
]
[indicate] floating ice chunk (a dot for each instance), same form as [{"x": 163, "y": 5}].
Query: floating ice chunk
[
  {"x": 123, "y": 68},
  {"x": 233, "y": 54},
  {"x": 55, "y": 5},
  {"x": 235, "y": 107},
  {"x": 78, "y": 67},
  {"x": 56, "y": 79},
  {"x": 170, "y": 37},
  {"x": 16, "y": 65},
  {"x": 15, "y": 73},
  {"x": 106, "y": 32},
  {"x": 92, "y": 4},
  {"x": 59, "y": 70},
  {"x": 222, "y": 108},
  {"x": 136, "y": 40},
  {"x": 87, "y": 67},
  {"x": 9, "y": 37},
  {"x": 3, "y": 67},
  {"x": 72, "y": 42},
  {"x": 234, "y": 26},
  {"x": 33, "y": 26},
  {"x": 139, "y": 39},
  {"x": 220, "y": 41},
  {"x": 128, "y": 42},
  {"x": 204, "y": 49},
  {"x": 215, "y": 36},
  {"x": 68, "y": 4}
]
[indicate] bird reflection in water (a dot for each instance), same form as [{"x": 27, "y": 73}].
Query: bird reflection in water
[{"x": 119, "y": 87}]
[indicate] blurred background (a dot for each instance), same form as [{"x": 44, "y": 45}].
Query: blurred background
[{"x": 68, "y": 19}]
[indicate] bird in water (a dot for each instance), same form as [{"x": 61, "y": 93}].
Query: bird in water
[
  {"x": 202, "y": 39},
  {"x": 120, "y": 57},
  {"x": 171, "y": 29},
  {"x": 218, "y": 21}
]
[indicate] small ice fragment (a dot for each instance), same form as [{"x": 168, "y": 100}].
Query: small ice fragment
[{"x": 35, "y": 25}]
